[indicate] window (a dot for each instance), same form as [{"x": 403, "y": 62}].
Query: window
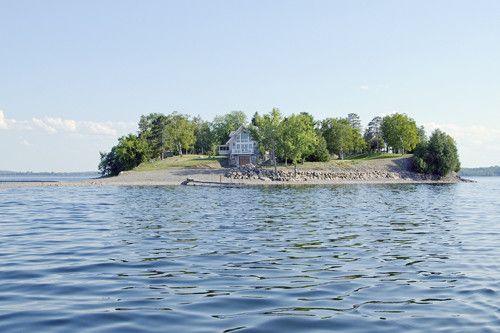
[{"x": 245, "y": 136}]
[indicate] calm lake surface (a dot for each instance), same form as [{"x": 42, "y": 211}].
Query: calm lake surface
[{"x": 351, "y": 258}]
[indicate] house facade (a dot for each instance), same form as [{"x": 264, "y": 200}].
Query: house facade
[{"x": 241, "y": 148}]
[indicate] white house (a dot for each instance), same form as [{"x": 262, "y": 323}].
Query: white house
[{"x": 241, "y": 148}]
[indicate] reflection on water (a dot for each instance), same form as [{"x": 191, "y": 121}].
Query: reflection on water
[{"x": 354, "y": 258}]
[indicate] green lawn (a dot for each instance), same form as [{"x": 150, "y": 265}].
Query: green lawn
[
  {"x": 216, "y": 162},
  {"x": 346, "y": 163},
  {"x": 376, "y": 156},
  {"x": 185, "y": 161}
]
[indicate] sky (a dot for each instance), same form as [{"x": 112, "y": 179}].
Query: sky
[{"x": 76, "y": 75}]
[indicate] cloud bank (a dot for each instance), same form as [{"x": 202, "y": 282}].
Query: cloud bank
[{"x": 53, "y": 125}]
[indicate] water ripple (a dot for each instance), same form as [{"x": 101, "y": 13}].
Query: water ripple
[{"x": 388, "y": 258}]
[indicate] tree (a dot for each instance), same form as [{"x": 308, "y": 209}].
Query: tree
[
  {"x": 267, "y": 132},
  {"x": 179, "y": 132},
  {"x": 400, "y": 132},
  {"x": 355, "y": 121},
  {"x": 224, "y": 125},
  {"x": 320, "y": 153},
  {"x": 297, "y": 138},
  {"x": 373, "y": 134},
  {"x": 130, "y": 151},
  {"x": 422, "y": 136},
  {"x": 204, "y": 136},
  {"x": 109, "y": 164},
  {"x": 341, "y": 137},
  {"x": 151, "y": 128},
  {"x": 437, "y": 156}
]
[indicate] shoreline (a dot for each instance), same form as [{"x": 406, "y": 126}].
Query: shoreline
[{"x": 217, "y": 177}]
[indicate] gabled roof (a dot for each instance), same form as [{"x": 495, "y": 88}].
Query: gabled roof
[{"x": 234, "y": 133}]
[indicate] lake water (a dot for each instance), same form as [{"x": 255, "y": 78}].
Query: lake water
[
  {"x": 351, "y": 258},
  {"x": 47, "y": 177}
]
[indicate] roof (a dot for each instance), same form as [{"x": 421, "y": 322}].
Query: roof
[{"x": 233, "y": 133}]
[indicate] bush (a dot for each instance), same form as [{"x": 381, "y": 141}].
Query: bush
[
  {"x": 437, "y": 156},
  {"x": 126, "y": 155},
  {"x": 321, "y": 153}
]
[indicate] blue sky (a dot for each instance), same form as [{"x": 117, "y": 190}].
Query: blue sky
[{"x": 75, "y": 75}]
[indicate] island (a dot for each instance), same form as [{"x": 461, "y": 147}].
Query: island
[{"x": 273, "y": 149}]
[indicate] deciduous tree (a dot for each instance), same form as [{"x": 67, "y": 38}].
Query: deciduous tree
[
  {"x": 224, "y": 125},
  {"x": 179, "y": 132},
  {"x": 267, "y": 132},
  {"x": 297, "y": 138},
  {"x": 341, "y": 137},
  {"x": 400, "y": 132}
]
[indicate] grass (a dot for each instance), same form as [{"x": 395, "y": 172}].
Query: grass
[
  {"x": 341, "y": 164},
  {"x": 376, "y": 156},
  {"x": 185, "y": 161},
  {"x": 216, "y": 162}
]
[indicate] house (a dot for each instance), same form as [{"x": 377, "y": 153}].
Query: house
[{"x": 241, "y": 148}]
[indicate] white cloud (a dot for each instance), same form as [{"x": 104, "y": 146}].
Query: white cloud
[
  {"x": 43, "y": 125},
  {"x": 66, "y": 125},
  {"x": 364, "y": 87},
  {"x": 3, "y": 121},
  {"x": 55, "y": 125},
  {"x": 7, "y": 123},
  {"x": 98, "y": 128}
]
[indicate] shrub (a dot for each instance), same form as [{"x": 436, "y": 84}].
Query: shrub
[
  {"x": 437, "y": 156},
  {"x": 321, "y": 153},
  {"x": 127, "y": 154}
]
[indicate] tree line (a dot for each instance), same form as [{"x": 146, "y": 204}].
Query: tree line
[{"x": 288, "y": 139}]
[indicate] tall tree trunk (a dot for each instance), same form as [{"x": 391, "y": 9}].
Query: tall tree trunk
[{"x": 295, "y": 169}]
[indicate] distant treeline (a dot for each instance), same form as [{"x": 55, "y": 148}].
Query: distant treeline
[
  {"x": 294, "y": 138},
  {"x": 493, "y": 171}
]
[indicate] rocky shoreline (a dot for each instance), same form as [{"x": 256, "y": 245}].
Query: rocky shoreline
[{"x": 251, "y": 172}]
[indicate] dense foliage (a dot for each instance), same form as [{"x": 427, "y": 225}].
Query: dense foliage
[
  {"x": 400, "y": 132},
  {"x": 321, "y": 153},
  {"x": 373, "y": 135},
  {"x": 298, "y": 138},
  {"x": 295, "y": 138},
  {"x": 438, "y": 155},
  {"x": 130, "y": 151},
  {"x": 266, "y": 130},
  {"x": 341, "y": 136}
]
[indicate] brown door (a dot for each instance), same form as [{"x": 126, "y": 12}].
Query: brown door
[{"x": 244, "y": 160}]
